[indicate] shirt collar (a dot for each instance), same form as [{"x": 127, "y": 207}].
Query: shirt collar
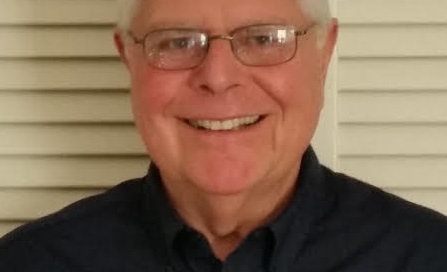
[
  {"x": 310, "y": 201},
  {"x": 165, "y": 223}
]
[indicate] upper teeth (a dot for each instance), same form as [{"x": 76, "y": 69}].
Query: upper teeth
[{"x": 230, "y": 124}]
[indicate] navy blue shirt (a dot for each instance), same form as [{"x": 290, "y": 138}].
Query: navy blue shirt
[{"x": 333, "y": 223}]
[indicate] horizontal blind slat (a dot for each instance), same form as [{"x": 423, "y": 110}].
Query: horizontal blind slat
[
  {"x": 391, "y": 107},
  {"x": 392, "y": 41},
  {"x": 434, "y": 199},
  {"x": 69, "y": 140},
  {"x": 358, "y": 139},
  {"x": 396, "y": 11},
  {"x": 392, "y": 74},
  {"x": 68, "y": 107},
  {"x": 66, "y": 41},
  {"x": 47, "y": 12},
  {"x": 6, "y": 227},
  {"x": 397, "y": 171},
  {"x": 60, "y": 74},
  {"x": 69, "y": 172},
  {"x": 31, "y": 204}
]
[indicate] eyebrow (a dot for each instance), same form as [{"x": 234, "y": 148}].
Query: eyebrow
[
  {"x": 273, "y": 21},
  {"x": 165, "y": 24},
  {"x": 170, "y": 24}
]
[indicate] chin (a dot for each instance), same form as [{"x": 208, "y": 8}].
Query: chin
[{"x": 230, "y": 179}]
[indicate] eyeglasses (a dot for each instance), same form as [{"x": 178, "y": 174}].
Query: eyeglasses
[{"x": 255, "y": 45}]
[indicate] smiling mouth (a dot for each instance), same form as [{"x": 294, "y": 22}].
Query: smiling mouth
[{"x": 225, "y": 125}]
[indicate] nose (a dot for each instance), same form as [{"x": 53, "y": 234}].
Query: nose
[{"x": 220, "y": 71}]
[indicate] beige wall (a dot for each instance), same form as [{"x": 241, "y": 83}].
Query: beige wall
[{"x": 66, "y": 127}]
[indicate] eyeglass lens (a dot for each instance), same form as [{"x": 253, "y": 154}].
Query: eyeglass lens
[{"x": 253, "y": 45}]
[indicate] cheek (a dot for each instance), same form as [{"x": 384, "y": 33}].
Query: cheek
[
  {"x": 309, "y": 83},
  {"x": 152, "y": 92},
  {"x": 297, "y": 91},
  {"x": 150, "y": 104},
  {"x": 152, "y": 97},
  {"x": 295, "y": 87}
]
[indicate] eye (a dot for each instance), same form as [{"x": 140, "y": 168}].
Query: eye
[
  {"x": 176, "y": 43},
  {"x": 263, "y": 40},
  {"x": 264, "y": 37}
]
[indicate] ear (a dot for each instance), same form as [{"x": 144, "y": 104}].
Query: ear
[
  {"x": 329, "y": 45},
  {"x": 120, "y": 45}
]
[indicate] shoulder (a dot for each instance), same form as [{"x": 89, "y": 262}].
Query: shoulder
[
  {"x": 112, "y": 202},
  {"x": 77, "y": 224},
  {"x": 356, "y": 196},
  {"x": 379, "y": 222}
]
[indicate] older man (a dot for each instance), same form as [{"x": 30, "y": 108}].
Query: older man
[{"x": 226, "y": 96}]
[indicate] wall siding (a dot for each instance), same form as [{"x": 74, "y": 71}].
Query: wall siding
[
  {"x": 392, "y": 97},
  {"x": 64, "y": 107},
  {"x": 65, "y": 115}
]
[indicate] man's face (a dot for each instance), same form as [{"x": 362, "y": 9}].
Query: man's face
[{"x": 287, "y": 97}]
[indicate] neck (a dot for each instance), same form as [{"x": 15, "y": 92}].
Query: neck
[{"x": 225, "y": 220}]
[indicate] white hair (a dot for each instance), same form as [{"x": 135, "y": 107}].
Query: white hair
[
  {"x": 317, "y": 10},
  {"x": 126, "y": 10}
]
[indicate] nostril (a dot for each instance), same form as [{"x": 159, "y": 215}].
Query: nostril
[
  {"x": 205, "y": 88},
  {"x": 217, "y": 89}
]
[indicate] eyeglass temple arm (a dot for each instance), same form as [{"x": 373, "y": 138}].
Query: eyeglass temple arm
[
  {"x": 135, "y": 39},
  {"x": 304, "y": 32}
]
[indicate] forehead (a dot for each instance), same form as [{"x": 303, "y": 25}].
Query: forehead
[{"x": 215, "y": 14}]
